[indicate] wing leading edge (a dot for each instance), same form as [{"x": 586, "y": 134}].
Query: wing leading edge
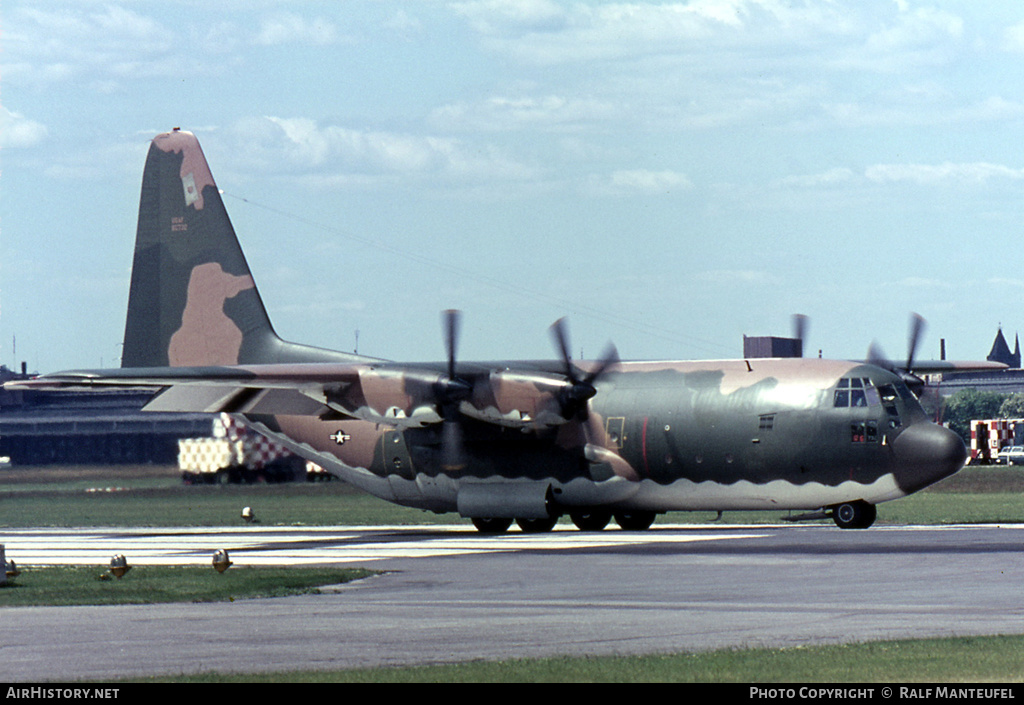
[{"x": 392, "y": 394}]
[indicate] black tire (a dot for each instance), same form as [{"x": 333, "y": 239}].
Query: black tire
[
  {"x": 487, "y": 525},
  {"x": 635, "y": 521},
  {"x": 537, "y": 526},
  {"x": 591, "y": 521},
  {"x": 854, "y": 515}
]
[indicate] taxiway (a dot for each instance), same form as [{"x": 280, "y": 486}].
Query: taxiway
[{"x": 450, "y": 594}]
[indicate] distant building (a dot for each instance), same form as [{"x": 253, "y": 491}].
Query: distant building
[
  {"x": 108, "y": 427},
  {"x": 770, "y": 346},
  {"x": 1008, "y": 381},
  {"x": 1001, "y": 351}
]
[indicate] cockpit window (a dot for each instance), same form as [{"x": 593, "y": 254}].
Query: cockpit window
[
  {"x": 855, "y": 392},
  {"x": 861, "y": 392}
]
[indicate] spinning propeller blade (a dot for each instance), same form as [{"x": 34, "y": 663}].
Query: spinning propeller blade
[
  {"x": 877, "y": 357},
  {"x": 574, "y": 400},
  {"x": 917, "y": 325},
  {"x": 450, "y": 392},
  {"x": 800, "y": 329}
]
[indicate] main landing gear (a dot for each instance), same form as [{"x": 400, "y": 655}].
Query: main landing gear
[
  {"x": 584, "y": 521},
  {"x": 854, "y": 515}
]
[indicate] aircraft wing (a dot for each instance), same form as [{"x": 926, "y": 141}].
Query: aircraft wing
[
  {"x": 396, "y": 395},
  {"x": 935, "y": 366}
]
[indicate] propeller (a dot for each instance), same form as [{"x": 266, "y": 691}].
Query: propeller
[
  {"x": 800, "y": 329},
  {"x": 917, "y": 326},
  {"x": 574, "y": 399},
  {"x": 877, "y": 357},
  {"x": 451, "y": 319},
  {"x": 450, "y": 392}
]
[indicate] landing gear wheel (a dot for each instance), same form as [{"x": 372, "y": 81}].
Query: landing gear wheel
[
  {"x": 854, "y": 515},
  {"x": 486, "y": 525},
  {"x": 591, "y": 521},
  {"x": 537, "y": 526},
  {"x": 635, "y": 521}
]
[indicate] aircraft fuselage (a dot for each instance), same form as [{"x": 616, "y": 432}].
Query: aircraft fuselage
[{"x": 660, "y": 436}]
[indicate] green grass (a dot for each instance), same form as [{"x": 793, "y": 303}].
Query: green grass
[
  {"x": 73, "y": 585},
  {"x": 146, "y": 496},
  {"x": 930, "y": 661}
]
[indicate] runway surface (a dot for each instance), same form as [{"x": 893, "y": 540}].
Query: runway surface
[{"x": 450, "y": 594}]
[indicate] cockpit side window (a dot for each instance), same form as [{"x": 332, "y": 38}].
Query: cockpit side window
[
  {"x": 904, "y": 391},
  {"x": 888, "y": 395}
]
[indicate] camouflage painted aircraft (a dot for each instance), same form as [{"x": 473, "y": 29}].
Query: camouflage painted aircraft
[{"x": 499, "y": 442}]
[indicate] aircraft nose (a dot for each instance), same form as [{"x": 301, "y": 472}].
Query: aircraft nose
[{"x": 926, "y": 453}]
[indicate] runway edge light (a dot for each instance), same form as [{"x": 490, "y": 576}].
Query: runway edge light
[
  {"x": 221, "y": 561},
  {"x": 119, "y": 566},
  {"x": 10, "y": 569}
]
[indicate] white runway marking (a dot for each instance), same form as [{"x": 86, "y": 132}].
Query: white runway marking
[{"x": 311, "y": 545}]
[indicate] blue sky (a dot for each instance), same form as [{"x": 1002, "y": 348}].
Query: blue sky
[{"x": 669, "y": 176}]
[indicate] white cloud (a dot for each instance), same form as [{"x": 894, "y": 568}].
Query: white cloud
[
  {"x": 289, "y": 28},
  {"x": 830, "y": 177},
  {"x": 403, "y": 24},
  {"x": 923, "y": 26},
  {"x": 63, "y": 44},
  {"x": 95, "y": 43},
  {"x": 541, "y": 32},
  {"x": 650, "y": 181},
  {"x": 1009, "y": 282},
  {"x": 751, "y": 277},
  {"x": 501, "y": 113},
  {"x": 18, "y": 131},
  {"x": 626, "y": 182},
  {"x": 919, "y": 283},
  {"x": 1013, "y": 38},
  {"x": 342, "y": 155},
  {"x": 512, "y": 16},
  {"x": 947, "y": 172},
  {"x": 901, "y": 110},
  {"x": 935, "y": 173}
]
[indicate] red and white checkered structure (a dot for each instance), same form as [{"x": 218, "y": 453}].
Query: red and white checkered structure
[
  {"x": 989, "y": 436},
  {"x": 233, "y": 445}
]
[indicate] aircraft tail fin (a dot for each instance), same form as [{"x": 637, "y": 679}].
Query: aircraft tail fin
[{"x": 193, "y": 301}]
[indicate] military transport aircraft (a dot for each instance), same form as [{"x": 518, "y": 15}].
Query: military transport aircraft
[{"x": 507, "y": 441}]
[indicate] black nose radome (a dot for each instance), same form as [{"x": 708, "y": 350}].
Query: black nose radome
[{"x": 926, "y": 453}]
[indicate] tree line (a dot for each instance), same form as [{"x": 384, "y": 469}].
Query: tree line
[{"x": 968, "y": 404}]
